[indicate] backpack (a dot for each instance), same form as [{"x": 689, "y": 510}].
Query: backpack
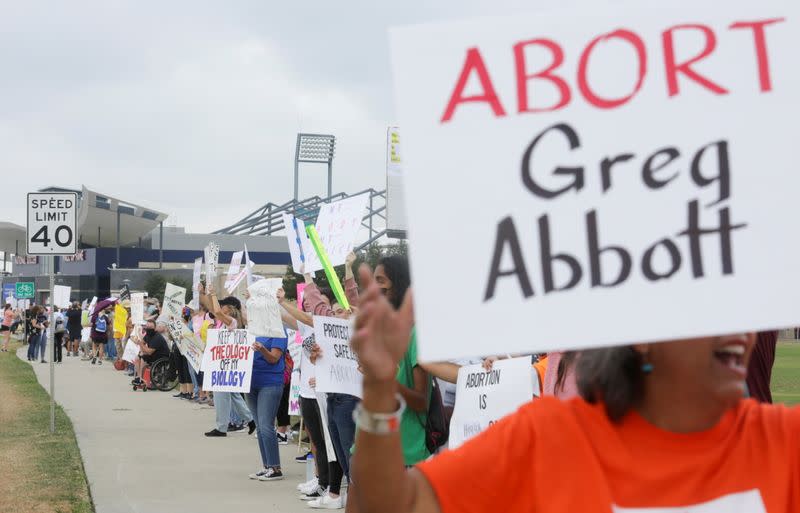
[
  {"x": 60, "y": 325},
  {"x": 437, "y": 428},
  {"x": 101, "y": 324}
]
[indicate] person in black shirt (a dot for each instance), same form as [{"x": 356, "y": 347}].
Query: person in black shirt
[
  {"x": 153, "y": 347},
  {"x": 74, "y": 328}
]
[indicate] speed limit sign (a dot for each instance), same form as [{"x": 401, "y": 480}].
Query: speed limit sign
[{"x": 52, "y": 223}]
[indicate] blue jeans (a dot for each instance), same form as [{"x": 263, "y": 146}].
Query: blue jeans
[
  {"x": 342, "y": 427},
  {"x": 264, "y": 405},
  {"x": 111, "y": 348},
  {"x": 224, "y": 402},
  {"x": 193, "y": 377},
  {"x": 33, "y": 346}
]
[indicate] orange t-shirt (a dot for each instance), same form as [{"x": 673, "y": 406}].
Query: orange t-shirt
[
  {"x": 541, "y": 369},
  {"x": 557, "y": 456}
]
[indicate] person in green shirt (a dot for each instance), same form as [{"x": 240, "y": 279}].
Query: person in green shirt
[{"x": 413, "y": 382}]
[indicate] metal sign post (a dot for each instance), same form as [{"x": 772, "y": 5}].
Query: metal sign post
[{"x": 52, "y": 230}]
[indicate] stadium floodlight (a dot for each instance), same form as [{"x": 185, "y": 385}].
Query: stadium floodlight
[{"x": 314, "y": 149}]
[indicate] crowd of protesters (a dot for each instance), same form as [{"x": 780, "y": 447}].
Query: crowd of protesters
[{"x": 600, "y": 393}]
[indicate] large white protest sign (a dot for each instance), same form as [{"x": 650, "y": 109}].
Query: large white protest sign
[
  {"x": 598, "y": 168},
  {"x": 228, "y": 361},
  {"x": 137, "y": 308},
  {"x": 337, "y": 366},
  {"x": 174, "y": 301},
  {"x": 304, "y": 258},
  {"x": 484, "y": 397},
  {"x": 338, "y": 225},
  {"x": 197, "y": 272},
  {"x": 189, "y": 344},
  {"x": 61, "y": 296}
]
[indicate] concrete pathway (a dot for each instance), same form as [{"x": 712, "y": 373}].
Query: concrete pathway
[{"x": 145, "y": 452}]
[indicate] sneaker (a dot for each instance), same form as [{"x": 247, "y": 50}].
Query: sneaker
[
  {"x": 178, "y": 395},
  {"x": 282, "y": 439},
  {"x": 317, "y": 493},
  {"x": 43, "y": 361},
  {"x": 327, "y": 502},
  {"x": 251, "y": 427},
  {"x": 256, "y": 475},
  {"x": 215, "y": 432},
  {"x": 308, "y": 485},
  {"x": 271, "y": 475},
  {"x": 99, "y": 362},
  {"x": 233, "y": 428},
  {"x": 94, "y": 360},
  {"x": 303, "y": 457}
]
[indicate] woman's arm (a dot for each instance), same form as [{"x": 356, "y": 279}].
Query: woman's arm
[
  {"x": 350, "y": 287},
  {"x": 416, "y": 398},
  {"x": 288, "y": 319},
  {"x": 226, "y": 319},
  {"x": 270, "y": 355},
  {"x": 445, "y": 371},
  {"x": 297, "y": 314},
  {"x": 381, "y": 338}
]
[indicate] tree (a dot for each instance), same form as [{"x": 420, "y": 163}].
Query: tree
[
  {"x": 156, "y": 284},
  {"x": 371, "y": 256}
]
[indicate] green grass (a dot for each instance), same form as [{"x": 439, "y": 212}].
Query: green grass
[
  {"x": 43, "y": 472},
  {"x": 786, "y": 374}
]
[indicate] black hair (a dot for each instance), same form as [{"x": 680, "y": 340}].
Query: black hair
[
  {"x": 567, "y": 360},
  {"x": 396, "y": 269},
  {"x": 231, "y": 301},
  {"x": 611, "y": 375},
  {"x": 328, "y": 293}
]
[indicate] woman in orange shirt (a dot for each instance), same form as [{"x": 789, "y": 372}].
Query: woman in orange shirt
[{"x": 663, "y": 429}]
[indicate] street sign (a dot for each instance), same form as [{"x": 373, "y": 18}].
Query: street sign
[
  {"x": 52, "y": 223},
  {"x": 25, "y": 290}
]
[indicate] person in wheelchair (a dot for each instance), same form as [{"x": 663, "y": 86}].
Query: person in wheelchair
[{"x": 152, "y": 347}]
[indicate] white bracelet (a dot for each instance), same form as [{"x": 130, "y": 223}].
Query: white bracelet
[{"x": 379, "y": 423}]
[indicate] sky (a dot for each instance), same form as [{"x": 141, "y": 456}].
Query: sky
[{"x": 192, "y": 108}]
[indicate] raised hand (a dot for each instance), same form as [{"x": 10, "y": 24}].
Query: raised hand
[{"x": 381, "y": 333}]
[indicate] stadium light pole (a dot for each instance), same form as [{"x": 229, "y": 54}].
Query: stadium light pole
[{"x": 314, "y": 149}]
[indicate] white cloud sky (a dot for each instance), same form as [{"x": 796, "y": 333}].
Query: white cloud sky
[{"x": 191, "y": 107}]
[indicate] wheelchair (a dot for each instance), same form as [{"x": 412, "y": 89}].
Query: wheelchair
[{"x": 164, "y": 372}]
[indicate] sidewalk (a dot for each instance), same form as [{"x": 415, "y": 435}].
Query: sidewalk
[{"x": 145, "y": 452}]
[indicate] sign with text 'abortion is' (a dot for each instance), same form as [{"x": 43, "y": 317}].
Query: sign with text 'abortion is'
[
  {"x": 484, "y": 397},
  {"x": 621, "y": 176},
  {"x": 337, "y": 367},
  {"x": 228, "y": 361}
]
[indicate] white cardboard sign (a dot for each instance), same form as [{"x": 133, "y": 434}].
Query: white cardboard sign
[
  {"x": 483, "y": 398},
  {"x": 211, "y": 256},
  {"x": 189, "y": 344},
  {"x": 228, "y": 361},
  {"x": 337, "y": 367},
  {"x": 174, "y": 301},
  {"x": 338, "y": 225},
  {"x": 304, "y": 258},
  {"x": 137, "y": 308},
  {"x": 632, "y": 169},
  {"x": 61, "y": 296},
  {"x": 131, "y": 353},
  {"x": 197, "y": 271}
]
